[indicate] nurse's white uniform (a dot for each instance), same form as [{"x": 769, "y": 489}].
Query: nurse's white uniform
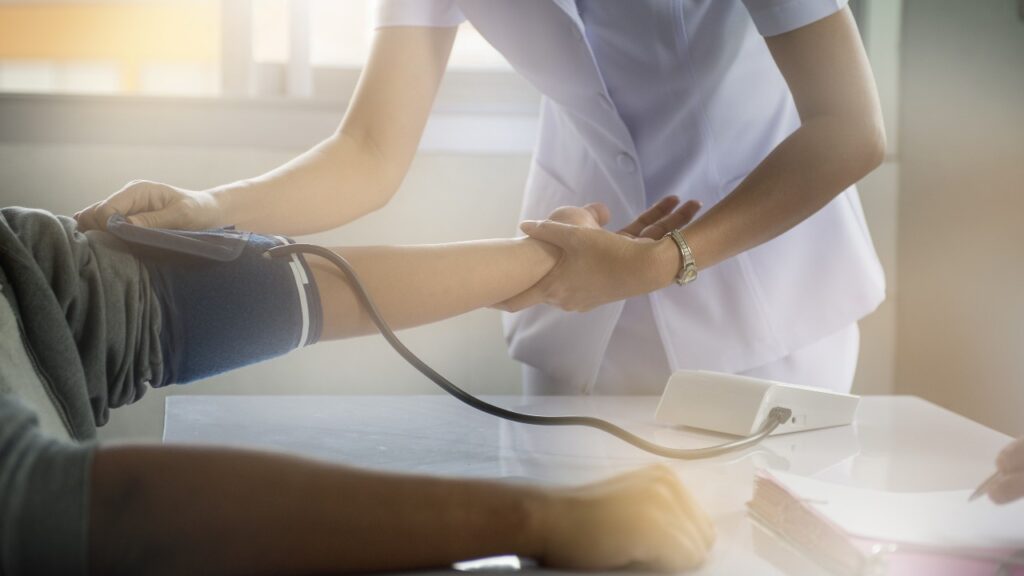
[{"x": 648, "y": 98}]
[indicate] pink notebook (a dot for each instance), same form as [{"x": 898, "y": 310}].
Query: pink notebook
[{"x": 854, "y": 531}]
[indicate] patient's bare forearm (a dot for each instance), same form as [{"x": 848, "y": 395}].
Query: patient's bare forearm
[
  {"x": 177, "y": 510},
  {"x": 415, "y": 285}
]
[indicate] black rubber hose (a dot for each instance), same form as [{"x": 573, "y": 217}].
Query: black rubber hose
[{"x": 776, "y": 416}]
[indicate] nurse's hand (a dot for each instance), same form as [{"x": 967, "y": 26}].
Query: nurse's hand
[
  {"x": 1010, "y": 485},
  {"x": 599, "y": 266},
  {"x": 643, "y": 520},
  {"x": 154, "y": 205}
]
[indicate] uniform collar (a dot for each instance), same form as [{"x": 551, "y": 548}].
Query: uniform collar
[{"x": 569, "y": 7}]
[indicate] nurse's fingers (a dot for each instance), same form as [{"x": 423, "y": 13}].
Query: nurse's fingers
[
  {"x": 86, "y": 217},
  {"x": 600, "y": 212},
  {"x": 555, "y": 233},
  {"x": 1007, "y": 488},
  {"x": 651, "y": 215},
  {"x": 677, "y": 219},
  {"x": 128, "y": 200},
  {"x": 525, "y": 299},
  {"x": 1011, "y": 459}
]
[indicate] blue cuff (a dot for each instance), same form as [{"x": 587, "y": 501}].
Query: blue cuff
[{"x": 223, "y": 305}]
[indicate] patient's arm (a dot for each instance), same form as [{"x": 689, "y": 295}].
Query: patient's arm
[
  {"x": 415, "y": 285},
  {"x": 204, "y": 510}
]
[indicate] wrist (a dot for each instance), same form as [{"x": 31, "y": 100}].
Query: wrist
[
  {"x": 500, "y": 518},
  {"x": 227, "y": 203},
  {"x": 545, "y": 256},
  {"x": 539, "y": 505},
  {"x": 664, "y": 263}
]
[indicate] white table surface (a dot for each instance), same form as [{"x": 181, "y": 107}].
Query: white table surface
[{"x": 898, "y": 443}]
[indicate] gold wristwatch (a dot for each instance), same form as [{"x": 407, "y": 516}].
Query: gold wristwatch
[{"x": 688, "y": 268}]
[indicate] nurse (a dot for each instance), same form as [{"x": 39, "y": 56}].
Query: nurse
[{"x": 763, "y": 110}]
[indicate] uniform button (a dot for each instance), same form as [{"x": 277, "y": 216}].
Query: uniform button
[
  {"x": 576, "y": 32},
  {"x": 606, "y": 101},
  {"x": 626, "y": 162}
]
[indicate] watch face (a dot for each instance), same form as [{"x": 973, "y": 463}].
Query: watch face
[{"x": 689, "y": 275}]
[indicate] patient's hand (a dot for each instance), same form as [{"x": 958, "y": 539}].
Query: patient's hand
[
  {"x": 645, "y": 519},
  {"x": 599, "y": 266}
]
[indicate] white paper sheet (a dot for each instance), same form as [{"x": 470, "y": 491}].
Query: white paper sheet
[{"x": 943, "y": 519}]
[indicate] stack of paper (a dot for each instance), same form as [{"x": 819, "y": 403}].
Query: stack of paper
[{"x": 859, "y": 531}]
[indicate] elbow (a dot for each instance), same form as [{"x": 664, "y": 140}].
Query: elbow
[
  {"x": 875, "y": 146},
  {"x": 382, "y": 197},
  {"x": 868, "y": 147},
  {"x": 365, "y": 166}
]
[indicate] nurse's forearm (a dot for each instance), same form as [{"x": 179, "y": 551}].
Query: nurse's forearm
[
  {"x": 840, "y": 140},
  {"x": 415, "y": 285},
  {"x": 335, "y": 182},
  {"x": 801, "y": 176},
  {"x": 359, "y": 168}
]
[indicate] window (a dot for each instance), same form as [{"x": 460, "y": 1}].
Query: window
[
  {"x": 239, "y": 48},
  {"x": 340, "y": 32},
  {"x": 109, "y": 47}
]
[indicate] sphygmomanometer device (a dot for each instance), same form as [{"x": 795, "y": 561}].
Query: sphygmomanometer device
[{"x": 736, "y": 405}]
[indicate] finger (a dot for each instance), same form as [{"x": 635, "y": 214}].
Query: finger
[
  {"x": 1007, "y": 488},
  {"x": 693, "y": 547},
  {"x": 600, "y": 212},
  {"x": 135, "y": 198},
  {"x": 674, "y": 221},
  {"x": 78, "y": 215},
  {"x": 525, "y": 299},
  {"x": 652, "y": 215},
  {"x": 173, "y": 217},
  {"x": 1011, "y": 459},
  {"x": 555, "y": 233},
  {"x": 101, "y": 215},
  {"x": 87, "y": 217},
  {"x": 674, "y": 548},
  {"x": 689, "y": 507},
  {"x": 695, "y": 512}
]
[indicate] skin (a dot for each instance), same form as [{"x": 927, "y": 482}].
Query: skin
[
  {"x": 1010, "y": 484},
  {"x": 450, "y": 279},
  {"x": 204, "y": 510},
  {"x": 359, "y": 168},
  {"x": 178, "y": 510},
  {"x": 353, "y": 172},
  {"x": 841, "y": 138}
]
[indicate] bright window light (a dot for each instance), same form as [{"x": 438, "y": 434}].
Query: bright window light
[
  {"x": 193, "y": 47},
  {"x": 340, "y": 33}
]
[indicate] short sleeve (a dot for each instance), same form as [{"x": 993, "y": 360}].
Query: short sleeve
[
  {"x": 774, "y": 17},
  {"x": 433, "y": 13}
]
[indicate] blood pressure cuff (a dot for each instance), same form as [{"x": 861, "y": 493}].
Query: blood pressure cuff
[{"x": 223, "y": 304}]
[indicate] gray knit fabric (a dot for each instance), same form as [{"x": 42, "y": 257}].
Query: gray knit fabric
[{"x": 86, "y": 321}]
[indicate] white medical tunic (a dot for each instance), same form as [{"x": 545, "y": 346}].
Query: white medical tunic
[{"x": 646, "y": 98}]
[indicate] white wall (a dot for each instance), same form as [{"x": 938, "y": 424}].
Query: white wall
[
  {"x": 445, "y": 198},
  {"x": 961, "y": 239}
]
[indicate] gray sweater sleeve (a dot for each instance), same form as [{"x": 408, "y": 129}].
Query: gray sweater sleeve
[
  {"x": 88, "y": 323},
  {"x": 43, "y": 497}
]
